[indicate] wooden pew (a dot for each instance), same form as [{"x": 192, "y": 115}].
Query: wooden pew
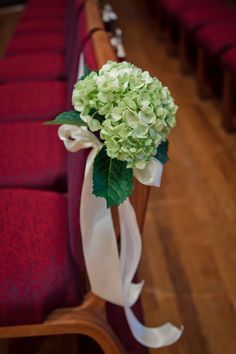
[{"x": 89, "y": 318}]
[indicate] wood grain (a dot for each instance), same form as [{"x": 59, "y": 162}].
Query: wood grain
[
  {"x": 189, "y": 239},
  {"x": 93, "y": 16},
  {"x": 102, "y": 48}
]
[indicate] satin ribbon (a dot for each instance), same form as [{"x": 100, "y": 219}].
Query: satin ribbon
[{"x": 111, "y": 275}]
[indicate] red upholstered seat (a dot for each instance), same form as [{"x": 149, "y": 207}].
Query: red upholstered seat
[
  {"x": 193, "y": 18},
  {"x": 49, "y": 42},
  {"x": 32, "y": 156},
  {"x": 32, "y": 67},
  {"x": 89, "y": 55},
  {"x": 173, "y": 7},
  {"x": 218, "y": 36},
  {"x": 34, "y": 12},
  {"x": 46, "y": 64},
  {"x": 37, "y": 271},
  {"x": 40, "y": 25},
  {"x": 32, "y": 100},
  {"x": 46, "y": 3},
  {"x": 229, "y": 60}
]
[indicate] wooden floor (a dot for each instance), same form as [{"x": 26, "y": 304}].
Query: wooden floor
[{"x": 189, "y": 255}]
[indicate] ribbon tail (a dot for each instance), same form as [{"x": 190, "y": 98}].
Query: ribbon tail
[
  {"x": 130, "y": 256},
  {"x": 99, "y": 242},
  {"x": 131, "y": 245},
  {"x": 152, "y": 337},
  {"x": 130, "y": 252}
]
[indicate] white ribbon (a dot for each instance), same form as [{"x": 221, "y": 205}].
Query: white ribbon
[
  {"x": 110, "y": 275},
  {"x": 81, "y": 67}
]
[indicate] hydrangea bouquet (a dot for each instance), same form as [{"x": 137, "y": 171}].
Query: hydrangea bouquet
[
  {"x": 132, "y": 113},
  {"x": 125, "y": 116}
]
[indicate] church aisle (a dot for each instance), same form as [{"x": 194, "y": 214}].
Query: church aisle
[{"x": 189, "y": 255}]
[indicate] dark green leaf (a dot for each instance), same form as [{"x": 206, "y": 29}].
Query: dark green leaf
[
  {"x": 72, "y": 117},
  {"x": 111, "y": 179},
  {"x": 162, "y": 152},
  {"x": 87, "y": 71}
]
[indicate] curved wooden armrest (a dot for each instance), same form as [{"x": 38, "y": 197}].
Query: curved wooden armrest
[{"x": 87, "y": 319}]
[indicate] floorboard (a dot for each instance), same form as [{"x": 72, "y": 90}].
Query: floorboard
[{"x": 189, "y": 241}]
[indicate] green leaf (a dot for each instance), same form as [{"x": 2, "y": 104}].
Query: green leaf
[
  {"x": 162, "y": 152},
  {"x": 72, "y": 117},
  {"x": 111, "y": 179},
  {"x": 87, "y": 71}
]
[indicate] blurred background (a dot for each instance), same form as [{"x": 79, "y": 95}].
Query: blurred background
[{"x": 189, "y": 237}]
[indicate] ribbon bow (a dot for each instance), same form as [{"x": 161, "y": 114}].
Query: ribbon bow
[{"x": 111, "y": 275}]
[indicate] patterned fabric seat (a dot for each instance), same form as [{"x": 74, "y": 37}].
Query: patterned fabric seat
[
  {"x": 32, "y": 67},
  {"x": 40, "y": 12},
  {"x": 45, "y": 16},
  {"x": 36, "y": 43},
  {"x": 46, "y": 63},
  {"x": 37, "y": 271},
  {"x": 217, "y": 37},
  {"x": 175, "y": 7},
  {"x": 32, "y": 100},
  {"x": 46, "y": 3},
  {"x": 193, "y": 18},
  {"x": 40, "y": 25},
  {"x": 32, "y": 156}
]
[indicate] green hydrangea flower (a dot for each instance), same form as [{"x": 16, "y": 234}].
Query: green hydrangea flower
[{"x": 138, "y": 111}]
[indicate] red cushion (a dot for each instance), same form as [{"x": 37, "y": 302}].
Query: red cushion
[
  {"x": 173, "y": 7},
  {"x": 48, "y": 13},
  {"x": 31, "y": 155},
  {"x": 218, "y": 36},
  {"x": 32, "y": 100},
  {"x": 46, "y": 3},
  {"x": 40, "y": 25},
  {"x": 49, "y": 42},
  {"x": 229, "y": 60},
  {"x": 193, "y": 18},
  {"x": 89, "y": 55},
  {"x": 32, "y": 67},
  {"x": 37, "y": 272}
]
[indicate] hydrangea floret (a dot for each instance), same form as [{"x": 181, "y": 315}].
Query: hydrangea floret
[{"x": 133, "y": 112}]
